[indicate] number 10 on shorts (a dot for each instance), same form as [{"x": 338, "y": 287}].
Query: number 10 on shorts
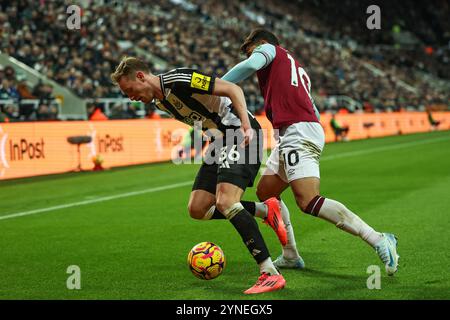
[{"x": 291, "y": 158}]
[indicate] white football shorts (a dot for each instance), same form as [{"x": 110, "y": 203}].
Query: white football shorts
[{"x": 297, "y": 152}]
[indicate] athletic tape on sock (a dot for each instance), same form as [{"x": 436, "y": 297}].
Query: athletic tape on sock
[
  {"x": 233, "y": 210},
  {"x": 209, "y": 213}
]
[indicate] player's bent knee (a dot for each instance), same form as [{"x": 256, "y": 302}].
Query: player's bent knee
[
  {"x": 303, "y": 203},
  {"x": 223, "y": 204},
  {"x": 304, "y": 198},
  {"x": 228, "y": 209},
  {"x": 196, "y": 211},
  {"x": 224, "y": 201}
]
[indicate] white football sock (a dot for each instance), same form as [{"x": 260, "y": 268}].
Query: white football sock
[
  {"x": 290, "y": 249},
  {"x": 261, "y": 210},
  {"x": 338, "y": 214},
  {"x": 268, "y": 267}
]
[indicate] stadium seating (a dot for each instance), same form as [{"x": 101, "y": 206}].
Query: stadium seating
[{"x": 340, "y": 56}]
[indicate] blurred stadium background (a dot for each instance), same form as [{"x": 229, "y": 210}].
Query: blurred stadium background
[
  {"x": 54, "y": 83},
  {"x": 405, "y": 66}
]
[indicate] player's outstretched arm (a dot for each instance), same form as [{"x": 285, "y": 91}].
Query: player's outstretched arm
[{"x": 245, "y": 69}]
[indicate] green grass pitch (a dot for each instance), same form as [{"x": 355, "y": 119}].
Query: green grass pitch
[{"x": 135, "y": 246}]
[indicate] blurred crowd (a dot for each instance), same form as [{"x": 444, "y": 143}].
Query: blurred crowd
[
  {"x": 15, "y": 96},
  {"x": 341, "y": 56}
]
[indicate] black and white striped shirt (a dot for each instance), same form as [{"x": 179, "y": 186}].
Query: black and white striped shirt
[{"x": 188, "y": 97}]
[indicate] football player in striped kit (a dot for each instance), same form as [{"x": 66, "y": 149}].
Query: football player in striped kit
[{"x": 219, "y": 108}]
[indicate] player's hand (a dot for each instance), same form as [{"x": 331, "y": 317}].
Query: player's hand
[{"x": 247, "y": 132}]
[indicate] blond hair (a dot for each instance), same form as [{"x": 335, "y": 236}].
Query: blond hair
[{"x": 128, "y": 67}]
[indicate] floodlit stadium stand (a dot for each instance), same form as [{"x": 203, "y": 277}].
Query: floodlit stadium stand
[{"x": 403, "y": 66}]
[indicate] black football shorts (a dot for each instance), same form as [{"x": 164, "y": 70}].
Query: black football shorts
[{"x": 231, "y": 163}]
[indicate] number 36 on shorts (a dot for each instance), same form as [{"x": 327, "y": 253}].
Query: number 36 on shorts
[{"x": 233, "y": 155}]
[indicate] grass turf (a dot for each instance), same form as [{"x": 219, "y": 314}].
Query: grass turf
[{"x": 135, "y": 247}]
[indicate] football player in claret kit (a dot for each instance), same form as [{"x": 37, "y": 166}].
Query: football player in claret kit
[
  {"x": 193, "y": 97},
  {"x": 294, "y": 162}
]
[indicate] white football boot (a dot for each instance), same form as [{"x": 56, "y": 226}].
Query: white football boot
[{"x": 387, "y": 251}]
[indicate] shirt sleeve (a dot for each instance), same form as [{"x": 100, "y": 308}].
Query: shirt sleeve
[
  {"x": 194, "y": 80},
  {"x": 268, "y": 51},
  {"x": 202, "y": 83},
  {"x": 261, "y": 57}
]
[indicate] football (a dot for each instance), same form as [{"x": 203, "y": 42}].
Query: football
[{"x": 206, "y": 260}]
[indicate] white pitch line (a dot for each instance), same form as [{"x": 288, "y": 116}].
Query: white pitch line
[
  {"x": 182, "y": 184},
  {"x": 390, "y": 147},
  {"x": 102, "y": 199}
]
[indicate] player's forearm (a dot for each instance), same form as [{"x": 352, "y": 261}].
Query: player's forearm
[
  {"x": 239, "y": 72},
  {"x": 240, "y": 106},
  {"x": 244, "y": 69}
]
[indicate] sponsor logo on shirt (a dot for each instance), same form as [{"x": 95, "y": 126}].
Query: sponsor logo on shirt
[{"x": 200, "y": 81}]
